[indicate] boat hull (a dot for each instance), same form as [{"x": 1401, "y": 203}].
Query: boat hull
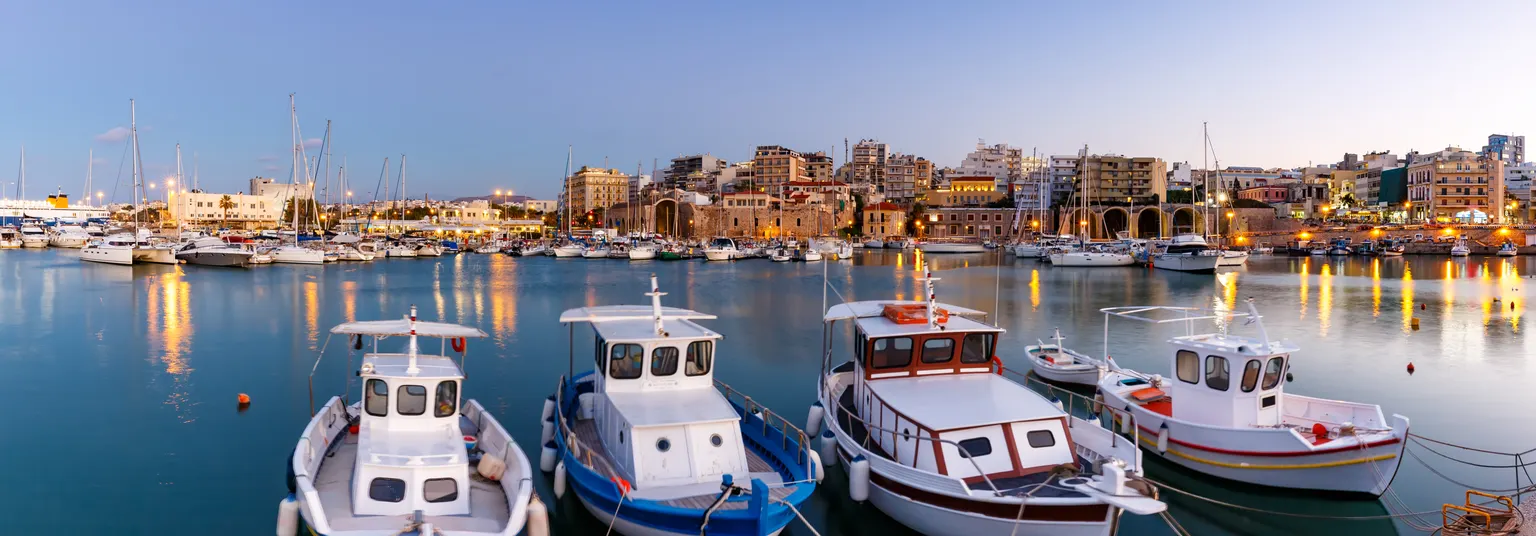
[
  {"x": 292, "y": 255},
  {"x": 567, "y": 252},
  {"x": 1187, "y": 263},
  {"x": 952, "y": 248},
  {"x": 719, "y": 254},
  {"x": 123, "y": 256},
  {"x": 60, "y": 241},
  {"x": 935, "y": 520},
  {"x": 220, "y": 258},
  {"x": 155, "y": 255},
  {"x": 34, "y": 241},
  {"x": 1232, "y": 259},
  {"x": 1026, "y": 251},
  {"x": 1087, "y": 259},
  {"x": 642, "y": 254}
]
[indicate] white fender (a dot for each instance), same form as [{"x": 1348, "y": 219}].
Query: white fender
[
  {"x": 491, "y": 467},
  {"x": 858, "y": 479},
  {"x": 1162, "y": 439},
  {"x": 538, "y": 517},
  {"x": 560, "y": 480},
  {"x": 549, "y": 408},
  {"x": 288, "y": 516},
  {"x": 829, "y": 454},
  {"x": 817, "y": 471},
  {"x": 1056, "y": 402},
  {"x": 548, "y": 432},
  {"x": 813, "y": 421},
  {"x": 1125, "y": 422},
  {"x": 1098, "y": 403},
  {"x": 547, "y": 457}
]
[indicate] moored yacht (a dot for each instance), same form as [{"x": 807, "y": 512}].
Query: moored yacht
[
  {"x": 1225, "y": 412},
  {"x": 33, "y": 236},
  {"x": 1461, "y": 249},
  {"x": 721, "y": 249},
  {"x": 10, "y": 238},
  {"x": 212, "y": 251},
  {"x": 114, "y": 249},
  {"x": 1092, "y": 257},
  {"x": 570, "y": 250},
  {"x": 154, "y": 251},
  {"x": 397, "y": 250},
  {"x": 956, "y": 246},
  {"x": 69, "y": 236},
  {"x": 642, "y": 252},
  {"x": 1232, "y": 258},
  {"x": 653, "y": 445},
  {"x": 936, "y": 437},
  {"x": 412, "y": 457},
  {"x": 295, "y": 254},
  {"x": 1187, "y": 253}
]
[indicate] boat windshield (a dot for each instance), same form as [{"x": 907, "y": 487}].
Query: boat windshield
[{"x": 721, "y": 243}]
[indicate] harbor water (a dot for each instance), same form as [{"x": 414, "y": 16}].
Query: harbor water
[{"x": 120, "y": 382}]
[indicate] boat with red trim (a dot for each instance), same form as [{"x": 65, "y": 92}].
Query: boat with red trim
[
  {"x": 937, "y": 438},
  {"x": 1248, "y": 429}
]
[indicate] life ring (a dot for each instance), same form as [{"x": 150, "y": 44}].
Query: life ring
[
  {"x": 458, "y": 344},
  {"x": 998, "y": 362}
]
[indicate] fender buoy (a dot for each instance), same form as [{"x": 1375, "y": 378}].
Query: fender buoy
[
  {"x": 858, "y": 479},
  {"x": 538, "y": 517},
  {"x": 1098, "y": 403},
  {"x": 622, "y": 484},
  {"x": 817, "y": 471},
  {"x": 1162, "y": 438},
  {"x": 813, "y": 420},
  {"x": 458, "y": 344},
  {"x": 547, "y": 457},
  {"x": 288, "y": 516},
  {"x": 828, "y": 448},
  {"x": 560, "y": 479},
  {"x": 998, "y": 362}
]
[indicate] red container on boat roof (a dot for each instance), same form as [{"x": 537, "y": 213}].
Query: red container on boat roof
[{"x": 912, "y": 314}]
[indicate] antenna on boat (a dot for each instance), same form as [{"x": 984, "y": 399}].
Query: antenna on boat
[
  {"x": 656, "y": 295},
  {"x": 411, "y": 348},
  {"x": 1253, "y": 316},
  {"x": 933, "y": 307}
]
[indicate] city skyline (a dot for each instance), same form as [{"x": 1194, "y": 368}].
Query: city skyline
[{"x": 488, "y": 97}]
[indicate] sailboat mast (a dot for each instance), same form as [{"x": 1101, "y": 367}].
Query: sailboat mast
[
  {"x": 138, "y": 200},
  {"x": 21, "y": 183},
  {"x": 404, "y": 201},
  {"x": 90, "y": 167},
  {"x": 293, "y": 178},
  {"x": 1205, "y": 178},
  {"x": 567, "y": 180},
  {"x": 168, "y": 188}
]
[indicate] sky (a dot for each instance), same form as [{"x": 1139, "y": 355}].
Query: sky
[{"x": 482, "y": 96}]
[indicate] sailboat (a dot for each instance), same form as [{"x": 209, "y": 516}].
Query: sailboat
[
  {"x": 570, "y": 249},
  {"x": 150, "y": 249},
  {"x": 295, "y": 253},
  {"x": 115, "y": 249}
]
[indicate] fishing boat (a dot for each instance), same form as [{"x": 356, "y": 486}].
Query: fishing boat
[
  {"x": 938, "y": 246},
  {"x": 1248, "y": 429},
  {"x": 114, "y": 249},
  {"x": 1231, "y": 258},
  {"x": 936, "y": 437},
  {"x": 213, "y": 251},
  {"x": 780, "y": 255},
  {"x": 1340, "y": 248},
  {"x": 1508, "y": 249},
  {"x": 412, "y": 457},
  {"x": 1263, "y": 249},
  {"x": 1461, "y": 249},
  {"x": 721, "y": 249},
  {"x": 33, "y": 236},
  {"x": 1187, "y": 253},
  {"x": 1392, "y": 248},
  {"x": 10, "y": 238},
  {"x": 652, "y": 444},
  {"x": 1060, "y": 364}
]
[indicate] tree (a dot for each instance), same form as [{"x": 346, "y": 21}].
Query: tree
[
  {"x": 307, "y": 210},
  {"x": 914, "y": 216},
  {"x": 226, "y": 203}
]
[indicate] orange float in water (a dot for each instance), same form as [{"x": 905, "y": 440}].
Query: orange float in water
[{"x": 244, "y": 399}]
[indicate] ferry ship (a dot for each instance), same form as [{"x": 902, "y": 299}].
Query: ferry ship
[{"x": 54, "y": 209}]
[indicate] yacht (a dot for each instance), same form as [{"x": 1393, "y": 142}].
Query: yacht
[
  {"x": 642, "y": 252},
  {"x": 69, "y": 236},
  {"x": 937, "y": 246},
  {"x": 153, "y": 250},
  {"x": 934, "y": 435},
  {"x": 721, "y": 249},
  {"x": 212, "y": 251},
  {"x": 1232, "y": 258},
  {"x": 1187, "y": 253},
  {"x": 33, "y": 236},
  {"x": 1247, "y": 428},
  {"x": 1060, "y": 364},
  {"x": 1508, "y": 249},
  {"x": 808, "y": 255},
  {"x": 114, "y": 249},
  {"x": 1461, "y": 249},
  {"x": 1087, "y": 258},
  {"x": 429, "y": 249},
  {"x": 652, "y": 444},
  {"x": 10, "y": 238},
  {"x": 567, "y": 251},
  {"x": 413, "y": 456},
  {"x": 352, "y": 251},
  {"x": 293, "y": 254},
  {"x": 598, "y": 251},
  {"x": 399, "y": 250},
  {"x": 780, "y": 254},
  {"x": 874, "y": 243}
]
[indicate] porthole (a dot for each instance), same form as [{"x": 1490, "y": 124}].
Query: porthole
[
  {"x": 663, "y": 445},
  {"x": 714, "y": 439}
]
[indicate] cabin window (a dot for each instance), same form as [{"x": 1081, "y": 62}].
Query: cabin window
[
  {"x": 624, "y": 361},
  {"x": 447, "y": 398},
  {"x": 1251, "y": 375},
  {"x": 413, "y": 400},
  {"x": 1217, "y": 376},
  {"x": 938, "y": 350},
  {"x": 1040, "y": 439},
  {"x": 975, "y": 447},
  {"x": 1272, "y": 372},
  {"x": 700, "y": 355},
  {"x": 977, "y": 348},
  {"x": 377, "y": 402},
  {"x": 440, "y": 490},
  {"x": 893, "y": 352},
  {"x": 664, "y": 361},
  {"x": 386, "y": 490},
  {"x": 1187, "y": 365}
]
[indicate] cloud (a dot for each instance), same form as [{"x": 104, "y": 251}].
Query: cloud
[
  {"x": 266, "y": 158},
  {"x": 313, "y": 143},
  {"x": 115, "y": 135}
]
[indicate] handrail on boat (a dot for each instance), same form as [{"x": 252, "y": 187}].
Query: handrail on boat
[
  {"x": 783, "y": 426},
  {"x": 1088, "y": 402},
  {"x": 836, "y": 407},
  {"x": 572, "y": 442}
]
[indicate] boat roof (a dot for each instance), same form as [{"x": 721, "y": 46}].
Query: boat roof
[
  {"x": 404, "y": 326},
  {"x": 875, "y": 308},
  {"x": 1233, "y": 344},
  {"x": 399, "y": 365},
  {"x": 682, "y": 406},
  {"x": 955, "y": 401},
  {"x": 871, "y": 318},
  {"x": 638, "y": 322}
]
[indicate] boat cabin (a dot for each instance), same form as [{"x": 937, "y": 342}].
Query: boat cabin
[
  {"x": 411, "y": 454},
  {"x": 654, "y": 403}
]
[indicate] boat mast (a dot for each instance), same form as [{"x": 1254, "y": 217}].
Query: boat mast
[
  {"x": 403, "y": 200},
  {"x": 90, "y": 166},
  {"x": 1205, "y": 178},
  {"x": 568, "y": 152},
  {"x": 293, "y": 177},
  {"x": 21, "y": 183},
  {"x": 178, "y": 183},
  {"x": 138, "y": 171}
]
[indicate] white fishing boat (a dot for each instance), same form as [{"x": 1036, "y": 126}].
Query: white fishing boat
[
  {"x": 1508, "y": 250},
  {"x": 212, "y": 251},
  {"x": 721, "y": 249},
  {"x": 781, "y": 255},
  {"x": 9, "y": 238},
  {"x": 1225, "y": 412},
  {"x": 807, "y": 255},
  {"x": 936, "y": 437},
  {"x": 642, "y": 252},
  {"x": 114, "y": 249},
  {"x": 1232, "y": 258},
  {"x": 1263, "y": 249},
  {"x": 293, "y": 254},
  {"x": 1187, "y": 253},
  {"x": 1060, "y": 364},
  {"x": 1393, "y": 249},
  {"x": 598, "y": 251},
  {"x": 412, "y": 457},
  {"x": 1461, "y": 249},
  {"x": 1092, "y": 258},
  {"x": 936, "y": 246},
  {"x": 33, "y": 236}
]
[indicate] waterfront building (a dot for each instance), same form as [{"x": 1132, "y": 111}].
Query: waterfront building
[
  {"x": 813, "y": 192},
  {"x": 774, "y": 166},
  {"x": 269, "y": 187},
  {"x": 1265, "y": 194},
  {"x": 922, "y": 175},
  {"x": 1506, "y": 147},
  {"x": 262, "y": 208},
  {"x": 686, "y": 172},
  {"x": 749, "y": 200},
  {"x": 966, "y": 191},
  {"x": 476, "y": 212},
  {"x": 969, "y": 223},
  {"x": 869, "y": 163},
  {"x": 1001, "y": 161},
  {"x": 1111, "y": 179},
  {"x": 1456, "y": 185},
  {"x": 900, "y": 178},
  {"x": 538, "y": 205},
  {"x": 637, "y": 183},
  {"x": 1180, "y": 176},
  {"x": 884, "y": 220},
  {"x": 1034, "y": 192},
  {"x": 597, "y": 188},
  {"x": 1064, "y": 170},
  {"x": 819, "y": 166}
]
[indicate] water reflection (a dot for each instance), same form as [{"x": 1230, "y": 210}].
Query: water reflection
[{"x": 169, "y": 324}]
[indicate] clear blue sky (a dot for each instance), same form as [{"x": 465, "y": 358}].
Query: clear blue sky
[{"x": 487, "y": 95}]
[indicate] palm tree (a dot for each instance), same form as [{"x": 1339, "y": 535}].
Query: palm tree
[{"x": 226, "y": 203}]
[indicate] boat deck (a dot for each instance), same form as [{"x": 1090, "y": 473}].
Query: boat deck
[
  {"x": 698, "y": 496},
  {"x": 488, "y": 507}
]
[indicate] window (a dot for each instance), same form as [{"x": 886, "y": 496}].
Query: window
[
  {"x": 977, "y": 348},
  {"x": 1187, "y": 364},
  {"x": 700, "y": 355},
  {"x": 1272, "y": 372},
  {"x": 598, "y": 355},
  {"x": 377, "y": 399},
  {"x": 440, "y": 490},
  {"x": 413, "y": 400},
  {"x": 447, "y": 398},
  {"x": 976, "y": 446},
  {"x": 624, "y": 361},
  {"x": 893, "y": 352},
  {"x": 664, "y": 361},
  {"x": 386, "y": 490},
  {"x": 1216, "y": 374},
  {"x": 1251, "y": 375},
  {"x": 938, "y": 350},
  {"x": 1040, "y": 439}
]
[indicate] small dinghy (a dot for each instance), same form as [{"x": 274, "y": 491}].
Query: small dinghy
[{"x": 1059, "y": 364}]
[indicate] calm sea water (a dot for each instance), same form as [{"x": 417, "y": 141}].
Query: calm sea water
[{"x": 120, "y": 383}]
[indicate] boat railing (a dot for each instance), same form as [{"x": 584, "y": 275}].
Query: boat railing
[
  {"x": 582, "y": 452},
  {"x": 834, "y": 409},
  {"x": 1070, "y": 401},
  {"x": 771, "y": 419}
]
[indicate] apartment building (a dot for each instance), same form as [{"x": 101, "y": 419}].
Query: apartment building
[
  {"x": 774, "y": 166},
  {"x": 885, "y": 220},
  {"x": 1119, "y": 179},
  {"x": 869, "y": 161},
  {"x": 594, "y": 188},
  {"x": 1456, "y": 185},
  {"x": 969, "y": 223}
]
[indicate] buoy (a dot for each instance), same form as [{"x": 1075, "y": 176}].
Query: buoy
[
  {"x": 1125, "y": 424},
  {"x": 1056, "y": 402},
  {"x": 491, "y": 467},
  {"x": 1422, "y": 306},
  {"x": 1162, "y": 439},
  {"x": 288, "y": 516},
  {"x": 858, "y": 479},
  {"x": 549, "y": 408},
  {"x": 547, "y": 457},
  {"x": 244, "y": 399},
  {"x": 538, "y": 517},
  {"x": 548, "y": 432},
  {"x": 813, "y": 420},
  {"x": 560, "y": 480},
  {"x": 1410, "y": 368},
  {"x": 1093, "y": 418},
  {"x": 1414, "y": 323},
  {"x": 817, "y": 471},
  {"x": 829, "y": 454},
  {"x": 458, "y": 344}
]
